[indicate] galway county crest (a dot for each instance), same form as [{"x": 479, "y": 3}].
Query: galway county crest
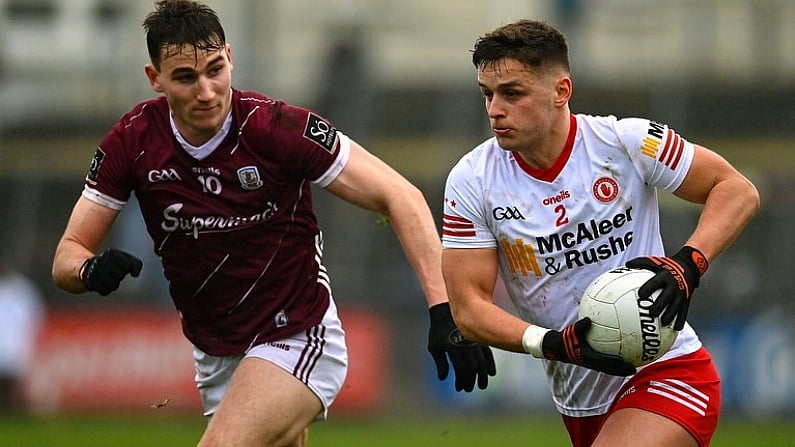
[{"x": 249, "y": 177}]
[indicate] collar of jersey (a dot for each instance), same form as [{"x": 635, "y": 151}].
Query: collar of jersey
[
  {"x": 551, "y": 173},
  {"x": 201, "y": 152}
]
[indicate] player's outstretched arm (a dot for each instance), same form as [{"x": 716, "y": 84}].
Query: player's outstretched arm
[
  {"x": 368, "y": 182},
  {"x": 76, "y": 268},
  {"x": 371, "y": 184}
]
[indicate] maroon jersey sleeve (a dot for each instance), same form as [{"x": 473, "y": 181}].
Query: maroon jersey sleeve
[
  {"x": 307, "y": 142},
  {"x": 110, "y": 177}
]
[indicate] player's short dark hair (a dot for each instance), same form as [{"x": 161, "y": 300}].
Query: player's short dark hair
[
  {"x": 536, "y": 44},
  {"x": 176, "y": 23}
]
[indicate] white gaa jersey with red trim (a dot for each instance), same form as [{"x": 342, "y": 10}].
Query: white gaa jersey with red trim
[{"x": 557, "y": 229}]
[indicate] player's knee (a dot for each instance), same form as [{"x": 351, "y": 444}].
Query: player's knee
[
  {"x": 300, "y": 440},
  {"x": 290, "y": 437}
]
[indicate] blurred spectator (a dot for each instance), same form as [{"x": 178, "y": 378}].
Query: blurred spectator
[{"x": 21, "y": 315}]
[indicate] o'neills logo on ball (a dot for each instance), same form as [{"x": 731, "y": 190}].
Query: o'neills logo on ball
[{"x": 648, "y": 329}]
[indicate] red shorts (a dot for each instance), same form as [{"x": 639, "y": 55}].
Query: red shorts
[{"x": 684, "y": 389}]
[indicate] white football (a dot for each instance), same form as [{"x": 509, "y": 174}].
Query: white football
[{"x": 621, "y": 324}]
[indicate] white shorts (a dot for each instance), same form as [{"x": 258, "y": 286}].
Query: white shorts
[{"x": 317, "y": 357}]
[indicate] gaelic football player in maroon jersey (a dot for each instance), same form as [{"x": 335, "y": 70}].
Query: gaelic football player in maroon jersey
[{"x": 223, "y": 178}]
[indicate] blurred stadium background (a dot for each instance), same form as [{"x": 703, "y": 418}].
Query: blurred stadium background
[{"x": 397, "y": 77}]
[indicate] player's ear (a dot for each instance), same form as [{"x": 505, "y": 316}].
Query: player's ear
[
  {"x": 154, "y": 77},
  {"x": 563, "y": 90},
  {"x": 229, "y": 56}
]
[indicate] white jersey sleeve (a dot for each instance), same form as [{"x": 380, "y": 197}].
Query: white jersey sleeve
[
  {"x": 465, "y": 222},
  {"x": 661, "y": 156}
]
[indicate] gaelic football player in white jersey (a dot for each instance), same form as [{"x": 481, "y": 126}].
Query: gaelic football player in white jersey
[
  {"x": 553, "y": 200},
  {"x": 223, "y": 179}
]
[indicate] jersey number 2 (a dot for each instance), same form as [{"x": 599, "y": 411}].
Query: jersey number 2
[{"x": 562, "y": 219}]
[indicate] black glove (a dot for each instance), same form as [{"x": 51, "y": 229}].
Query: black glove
[
  {"x": 570, "y": 346},
  {"x": 470, "y": 360},
  {"x": 104, "y": 272},
  {"x": 676, "y": 278}
]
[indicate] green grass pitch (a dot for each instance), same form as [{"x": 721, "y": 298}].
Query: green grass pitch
[{"x": 168, "y": 431}]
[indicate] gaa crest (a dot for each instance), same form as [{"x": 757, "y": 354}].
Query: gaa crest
[{"x": 249, "y": 177}]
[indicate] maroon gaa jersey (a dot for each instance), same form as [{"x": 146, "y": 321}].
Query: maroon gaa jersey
[{"x": 239, "y": 242}]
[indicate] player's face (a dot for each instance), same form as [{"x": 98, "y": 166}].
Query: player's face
[
  {"x": 198, "y": 89},
  {"x": 523, "y": 104}
]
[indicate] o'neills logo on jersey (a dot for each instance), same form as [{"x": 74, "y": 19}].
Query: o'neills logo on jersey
[
  {"x": 605, "y": 189},
  {"x": 559, "y": 198}
]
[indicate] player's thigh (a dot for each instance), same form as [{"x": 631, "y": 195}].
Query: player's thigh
[
  {"x": 633, "y": 427},
  {"x": 263, "y": 405}
]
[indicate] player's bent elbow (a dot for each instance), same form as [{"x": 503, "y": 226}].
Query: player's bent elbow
[
  {"x": 750, "y": 201},
  {"x": 414, "y": 193},
  {"x": 465, "y": 323},
  {"x": 754, "y": 199},
  {"x": 471, "y": 335}
]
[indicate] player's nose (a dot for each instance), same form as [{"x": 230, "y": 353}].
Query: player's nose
[
  {"x": 205, "y": 89},
  {"x": 494, "y": 108}
]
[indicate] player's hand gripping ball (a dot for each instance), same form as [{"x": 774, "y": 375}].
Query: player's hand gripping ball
[
  {"x": 676, "y": 277},
  {"x": 622, "y": 324}
]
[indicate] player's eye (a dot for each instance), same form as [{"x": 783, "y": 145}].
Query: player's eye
[{"x": 184, "y": 78}]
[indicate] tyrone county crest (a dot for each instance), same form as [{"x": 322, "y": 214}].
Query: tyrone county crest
[{"x": 249, "y": 177}]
